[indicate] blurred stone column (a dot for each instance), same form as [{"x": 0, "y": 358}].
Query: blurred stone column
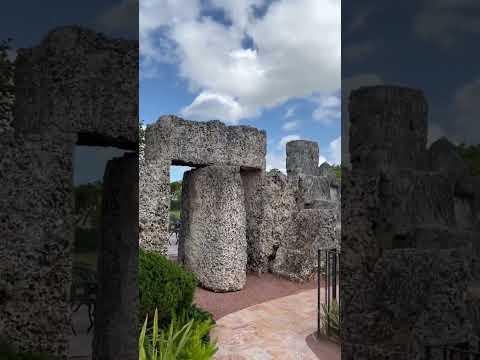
[{"x": 116, "y": 323}]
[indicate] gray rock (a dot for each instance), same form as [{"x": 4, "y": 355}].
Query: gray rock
[
  {"x": 66, "y": 93},
  {"x": 312, "y": 188},
  {"x": 388, "y": 128},
  {"x": 271, "y": 206},
  {"x": 116, "y": 322},
  {"x": 54, "y": 87},
  {"x": 444, "y": 157},
  {"x": 302, "y": 157},
  {"x": 213, "y": 240},
  {"x": 196, "y": 144},
  {"x": 154, "y": 204}
]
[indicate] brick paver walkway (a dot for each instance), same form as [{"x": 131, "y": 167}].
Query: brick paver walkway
[{"x": 272, "y": 330}]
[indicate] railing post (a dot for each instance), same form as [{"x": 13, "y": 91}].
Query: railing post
[
  {"x": 319, "y": 308},
  {"x": 334, "y": 275}
]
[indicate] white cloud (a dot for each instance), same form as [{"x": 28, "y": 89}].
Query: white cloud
[
  {"x": 287, "y": 62},
  {"x": 284, "y": 140},
  {"x": 321, "y": 160},
  {"x": 276, "y": 161},
  {"x": 208, "y": 106},
  {"x": 466, "y": 108},
  {"x": 328, "y": 110},
  {"x": 445, "y": 21},
  {"x": 290, "y": 112},
  {"x": 290, "y": 125},
  {"x": 335, "y": 151},
  {"x": 122, "y": 17}
]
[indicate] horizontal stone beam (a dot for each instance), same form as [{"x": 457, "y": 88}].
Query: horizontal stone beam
[{"x": 198, "y": 144}]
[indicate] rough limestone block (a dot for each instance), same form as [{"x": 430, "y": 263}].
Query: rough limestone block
[
  {"x": 154, "y": 203},
  {"x": 213, "y": 241},
  {"x": 271, "y": 206},
  {"x": 194, "y": 143},
  {"x": 302, "y": 157},
  {"x": 37, "y": 238},
  {"x": 116, "y": 323},
  {"x": 312, "y": 188},
  {"x": 423, "y": 293},
  {"x": 80, "y": 82},
  {"x": 294, "y": 264},
  {"x": 315, "y": 229},
  {"x": 388, "y": 128},
  {"x": 416, "y": 197},
  {"x": 443, "y": 156}
]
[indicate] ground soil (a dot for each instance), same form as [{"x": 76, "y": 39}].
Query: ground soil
[
  {"x": 258, "y": 289},
  {"x": 323, "y": 348}
]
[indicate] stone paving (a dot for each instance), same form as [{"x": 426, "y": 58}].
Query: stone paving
[{"x": 272, "y": 330}]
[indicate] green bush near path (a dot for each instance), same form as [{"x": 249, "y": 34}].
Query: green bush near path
[{"x": 163, "y": 285}]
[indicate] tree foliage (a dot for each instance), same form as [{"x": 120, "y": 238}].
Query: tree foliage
[
  {"x": 88, "y": 203},
  {"x": 471, "y": 155}
]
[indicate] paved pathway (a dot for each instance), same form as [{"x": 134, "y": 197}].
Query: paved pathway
[{"x": 272, "y": 330}]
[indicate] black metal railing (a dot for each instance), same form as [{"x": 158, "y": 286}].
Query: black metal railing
[
  {"x": 450, "y": 352},
  {"x": 329, "y": 272}
]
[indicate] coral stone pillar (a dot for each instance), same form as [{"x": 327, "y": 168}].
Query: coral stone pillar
[
  {"x": 116, "y": 323},
  {"x": 213, "y": 241},
  {"x": 302, "y": 157}
]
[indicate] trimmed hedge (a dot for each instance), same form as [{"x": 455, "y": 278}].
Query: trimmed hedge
[{"x": 163, "y": 285}]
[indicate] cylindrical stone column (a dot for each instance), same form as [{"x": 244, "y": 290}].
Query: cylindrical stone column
[
  {"x": 302, "y": 157},
  {"x": 213, "y": 241},
  {"x": 116, "y": 323},
  {"x": 388, "y": 128}
]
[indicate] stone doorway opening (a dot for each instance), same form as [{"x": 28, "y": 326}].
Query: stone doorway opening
[
  {"x": 175, "y": 210},
  {"x": 89, "y": 169}
]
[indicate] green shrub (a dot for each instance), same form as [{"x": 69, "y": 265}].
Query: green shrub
[
  {"x": 163, "y": 285},
  {"x": 197, "y": 314},
  {"x": 182, "y": 340},
  {"x": 7, "y": 352}
]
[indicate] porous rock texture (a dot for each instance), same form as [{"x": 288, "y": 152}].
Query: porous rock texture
[
  {"x": 66, "y": 93},
  {"x": 302, "y": 157},
  {"x": 88, "y": 83},
  {"x": 116, "y": 322},
  {"x": 154, "y": 203},
  {"x": 271, "y": 207},
  {"x": 194, "y": 143},
  {"x": 409, "y": 266},
  {"x": 213, "y": 241},
  {"x": 396, "y": 132}
]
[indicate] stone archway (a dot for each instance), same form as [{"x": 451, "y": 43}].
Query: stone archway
[{"x": 76, "y": 87}]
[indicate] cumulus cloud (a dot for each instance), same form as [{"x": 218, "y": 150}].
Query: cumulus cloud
[
  {"x": 290, "y": 112},
  {"x": 328, "y": 110},
  {"x": 335, "y": 151},
  {"x": 290, "y": 125},
  {"x": 284, "y": 140},
  {"x": 121, "y": 18},
  {"x": 208, "y": 106},
  {"x": 466, "y": 108},
  {"x": 445, "y": 21},
  {"x": 285, "y": 61}
]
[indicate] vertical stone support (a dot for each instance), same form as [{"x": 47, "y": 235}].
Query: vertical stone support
[
  {"x": 36, "y": 240},
  {"x": 388, "y": 128},
  {"x": 154, "y": 204},
  {"x": 213, "y": 240},
  {"x": 302, "y": 157},
  {"x": 116, "y": 323}
]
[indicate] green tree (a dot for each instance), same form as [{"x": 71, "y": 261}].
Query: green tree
[
  {"x": 88, "y": 204},
  {"x": 471, "y": 155}
]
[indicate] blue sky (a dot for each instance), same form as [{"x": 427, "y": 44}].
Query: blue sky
[
  {"x": 431, "y": 45},
  {"x": 248, "y": 62}
]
